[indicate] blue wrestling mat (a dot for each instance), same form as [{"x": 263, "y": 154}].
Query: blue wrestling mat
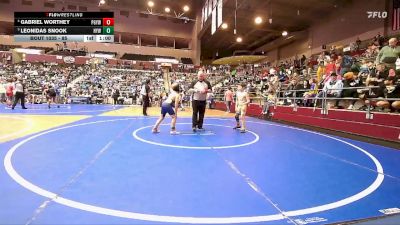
[{"x": 113, "y": 170}]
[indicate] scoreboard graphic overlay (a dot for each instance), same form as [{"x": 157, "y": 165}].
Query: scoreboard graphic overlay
[{"x": 64, "y": 26}]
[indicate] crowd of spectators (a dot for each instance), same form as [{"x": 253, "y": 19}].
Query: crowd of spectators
[
  {"x": 93, "y": 85},
  {"x": 345, "y": 78},
  {"x": 348, "y": 79},
  {"x": 39, "y": 76}
]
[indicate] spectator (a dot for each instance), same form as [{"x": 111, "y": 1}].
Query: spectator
[
  {"x": 282, "y": 76},
  {"x": 350, "y": 82},
  {"x": 371, "y": 51},
  {"x": 364, "y": 68},
  {"x": 303, "y": 60},
  {"x": 302, "y": 87},
  {"x": 330, "y": 67},
  {"x": 392, "y": 73},
  {"x": 380, "y": 74},
  {"x": 105, "y": 95},
  {"x": 358, "y": 43},
  {"x": 4, "y": 58},
  {"x": 2, "y": 90},
  {"x": 392, "y": 90},
  {"x": 210, "y": 100},
  {"x": 310, "y": 94},
  {"x": 291, "y": 91},
  {"x": 328, "y": 78},
  {"x": 320, "y": 71},
  {"x": 332, "y": 50},
  {"x": 374, "y": 92},
  {"x": 346, "y": 63},
  {"x": 321, "y": 58},
  {"x": 397, "y": 63},
  {"x": 115, "y": 96},
  {"x": 380, "y": 39},
  {"x": 389, "y": 54},
  {"x": 228, "y": 97},
  {"x": 332, "y": 88},
  {"x": 338, "y": 61},
  {"x": 9, "y": 92}
]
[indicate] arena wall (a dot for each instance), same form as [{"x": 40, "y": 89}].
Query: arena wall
[
  {"x": 119, "y": 48},
  {"x": 382, "y": 126}
]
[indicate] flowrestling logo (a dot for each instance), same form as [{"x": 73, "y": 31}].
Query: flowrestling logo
[{"x": 377, "y": 14}]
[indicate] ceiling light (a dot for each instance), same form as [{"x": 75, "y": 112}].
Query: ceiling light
[
  {"x": 239, "y": 39},
  {"x": 186, "y": 8},
  {"x": 167, "y": 9},
  {"x": 284, "y": 33},
  {"x": 102, "y": 2},
  {"x": 150, "y": 4},
  {"x": 224, "y": 26},
  {"x": 258, "y": 20}
]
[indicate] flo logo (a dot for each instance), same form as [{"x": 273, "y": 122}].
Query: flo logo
[{"x": 376, "y": 14}]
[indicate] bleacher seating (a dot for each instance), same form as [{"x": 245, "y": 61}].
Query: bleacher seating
[{"x": 261, "y": 81}]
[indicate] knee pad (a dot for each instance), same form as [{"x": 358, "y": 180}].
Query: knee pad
[{"x": 237, "y": 117}]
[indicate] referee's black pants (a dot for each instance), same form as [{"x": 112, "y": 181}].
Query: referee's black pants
[
  {"x": 146, "y": 103},
  {"x": 19, "y": 96},
  {"x": 199, "y": 108}
]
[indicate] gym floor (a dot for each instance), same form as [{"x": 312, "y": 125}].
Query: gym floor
[{"x": 99, "y": 164}]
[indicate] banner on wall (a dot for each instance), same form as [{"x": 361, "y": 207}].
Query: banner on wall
[
  {"x": 219, "y": 13},
  {"x": 214, "y": 21},
  {"x": 69, "y": 59}
]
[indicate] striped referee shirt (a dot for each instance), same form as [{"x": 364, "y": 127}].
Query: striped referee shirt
[{"x": 198, "y": 86}]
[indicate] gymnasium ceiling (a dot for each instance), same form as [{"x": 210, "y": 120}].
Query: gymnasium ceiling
[
  {"x": 141, "y": 5},
  {"x": 294, "y": 16}
]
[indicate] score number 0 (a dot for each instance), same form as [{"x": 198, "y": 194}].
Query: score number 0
[{"x": 108, "y": 21}]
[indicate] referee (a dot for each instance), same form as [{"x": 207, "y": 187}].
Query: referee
[
  {"x": 145, "y": 92},
  {"x": 199, "y": 88},
  {"x": 19, "y": 94}
]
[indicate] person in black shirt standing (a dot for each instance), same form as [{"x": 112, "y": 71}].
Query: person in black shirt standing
[
  {"x": 199, "y": 88},
  {"x": 19, "y": 94},
  {"x": 115, "y": 95},
  {"x": 144, "y": 92}
]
